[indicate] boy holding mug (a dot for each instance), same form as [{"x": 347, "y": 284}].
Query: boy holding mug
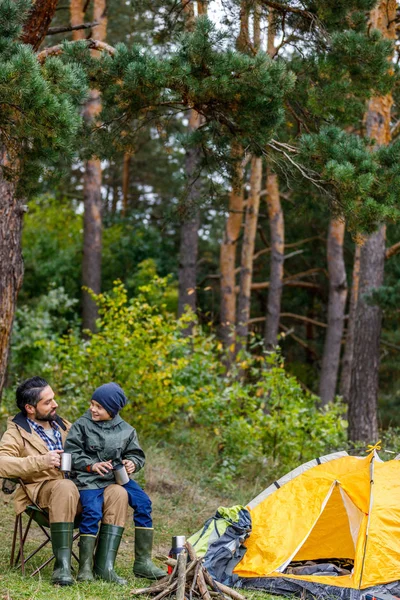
[{"x": 99, "y": 441}]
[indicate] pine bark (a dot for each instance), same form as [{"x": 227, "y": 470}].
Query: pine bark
[
  {"x": 92, "y": 180},
  {"x": 188, "y": 248},
  {"x": 363, "y": 397},
  {"x": 336, "y": 309},
  {"x": 188, "y": 251},
  {"x": 11, "y": 264},
  {"x": 246, "y": 263},
  {"x": 38, "y": 22},
  {"x": 345, "y": 378},
  {"x": 277, "y": 234},
  {"x": 228, "y": 257}
]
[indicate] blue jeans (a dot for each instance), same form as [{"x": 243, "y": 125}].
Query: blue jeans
[{"x": 92, "y": 507}]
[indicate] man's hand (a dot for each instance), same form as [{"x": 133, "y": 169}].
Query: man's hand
[
  {"x": 129, "y": 466},
  {"x": 53, "y": 458},
  {"x": 102, "y": 468}
]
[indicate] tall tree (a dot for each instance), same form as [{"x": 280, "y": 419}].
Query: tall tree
[
  {"x": 363, "y": 396},
  {"x": 190, "y": 215},
  {"x": 345, "y": 377},
  {"x": 246, "y": 262},
  {"x": 93, "y": 205},
  {"x": 38, "y": 121},
  {"x": 336, "y": 308},
  {"x": 277, "y": 232},
  {"x": 228, "y": 257},
  {"x": 234, "y": 219}
]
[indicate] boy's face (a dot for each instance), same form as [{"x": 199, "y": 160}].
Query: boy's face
[{"x": 98, "y": 412}]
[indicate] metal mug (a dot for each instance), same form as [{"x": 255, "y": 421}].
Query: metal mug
[
  {"x": 120, "y": 474},
  {"x": 66, "y": 462}
]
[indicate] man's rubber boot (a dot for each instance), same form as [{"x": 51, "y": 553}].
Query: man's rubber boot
[
  {"x": 143, "y": 565},
  {"x": 61, "y": 540},
  {"x": 106, "y": 553},
  {"x": 86, "y": 550}
]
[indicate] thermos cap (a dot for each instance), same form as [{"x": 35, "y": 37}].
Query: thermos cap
[{"x": 178, "y": 541}]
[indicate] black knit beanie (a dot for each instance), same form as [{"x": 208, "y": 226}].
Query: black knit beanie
[{"x": 111, "y": 397}]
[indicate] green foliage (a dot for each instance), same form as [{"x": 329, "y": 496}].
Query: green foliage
[
  {"x": 364, "y": 183},
  {"x": 36, "y": 326},
  {"x": 173, "y": 382},
  {"x": 225, "y": 86},
  {"x": 39, "y": 117},
  {"x": 52, "y": 248}
]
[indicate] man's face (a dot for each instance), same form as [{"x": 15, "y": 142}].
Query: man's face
[{"x": 45, "y": 410}]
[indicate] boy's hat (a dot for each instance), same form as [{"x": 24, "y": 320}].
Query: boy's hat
[{"x": 111, "y": 397}]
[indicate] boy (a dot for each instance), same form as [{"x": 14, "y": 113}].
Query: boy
[{"x": 99, "y": 441}]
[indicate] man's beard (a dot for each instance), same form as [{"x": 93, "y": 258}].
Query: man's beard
[{"x": 46, "y": 417}]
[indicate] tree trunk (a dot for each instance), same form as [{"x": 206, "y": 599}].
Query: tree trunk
[
  {"x": 246, "y": 265},
  {"x": 349, "y": 349},
  {"x": 277, "y": 233},
  {"x": 125, "y": 181},
  {"x": 188, "y": 251},
  {"x": 336, "y": 308},
  {"x": 228, "y": 257},
  {"x": 38, "y": 23},
  {"x": 11, "y": 265},
  {"x": 11, "y": 209},
  {"x": 363, "y": 421},
  {"x": 92, "y": 220}
]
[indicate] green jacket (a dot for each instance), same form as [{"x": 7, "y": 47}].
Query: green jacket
[{"x": 91, "y": 441}]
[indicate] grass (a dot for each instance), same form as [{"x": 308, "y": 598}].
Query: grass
[{"x": 182, "y": 500}]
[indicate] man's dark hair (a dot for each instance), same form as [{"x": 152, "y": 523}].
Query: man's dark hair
[{"x": 28, "y": 392}]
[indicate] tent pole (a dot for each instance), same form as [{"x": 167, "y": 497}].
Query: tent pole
[{"x": 371, "y": 482}]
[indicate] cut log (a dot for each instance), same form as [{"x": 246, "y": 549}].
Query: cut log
[{"x": 181, "y": 581}]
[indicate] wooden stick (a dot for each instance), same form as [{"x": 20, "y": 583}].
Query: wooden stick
[
  {"x": 191, "y": 551},
  {"x": 192, "y": 587},
  {"x": 202, "y": 586},
  {"x": 181, "y": 580},
  {"x": 230, "y": 592}
]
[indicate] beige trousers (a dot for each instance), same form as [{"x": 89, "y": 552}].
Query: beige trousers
[{"x": 61, "y": 498}]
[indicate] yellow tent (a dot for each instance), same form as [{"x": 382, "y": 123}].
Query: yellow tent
[{"x": 346, "y": 507}]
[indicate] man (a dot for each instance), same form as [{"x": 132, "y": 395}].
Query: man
[{"x": 30, "y": 450}]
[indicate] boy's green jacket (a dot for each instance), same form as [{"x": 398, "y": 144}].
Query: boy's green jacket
[{"x": 91, "y": 441}]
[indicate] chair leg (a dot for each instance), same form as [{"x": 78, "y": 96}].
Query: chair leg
[
  {"x": 21, "y": 547},
  {"x": 17, "y": 518},
  {"x": 24, "y": 538}
]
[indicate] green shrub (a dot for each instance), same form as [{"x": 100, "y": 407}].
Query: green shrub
[{"x": 175, "y": 383}]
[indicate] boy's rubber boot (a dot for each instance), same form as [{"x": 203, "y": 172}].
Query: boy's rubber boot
[
  {"x": 61, "y": 540},
  {"x": 106, "y": 553},
  {"x": 86, "y": 550},
  {"x": 143, "y": 565}
]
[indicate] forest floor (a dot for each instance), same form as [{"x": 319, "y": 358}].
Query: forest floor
[{"x": 182, "y": 501}]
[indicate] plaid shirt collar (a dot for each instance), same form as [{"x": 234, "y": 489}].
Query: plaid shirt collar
[{"x": 57, "y": 445}]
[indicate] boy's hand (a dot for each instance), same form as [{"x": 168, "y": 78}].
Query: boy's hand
[
  {"x": 102, "y": 468},
  {"x": 129, "y": 466}
]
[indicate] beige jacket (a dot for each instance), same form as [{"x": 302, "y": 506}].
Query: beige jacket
[{"x": 22, "y": 455}]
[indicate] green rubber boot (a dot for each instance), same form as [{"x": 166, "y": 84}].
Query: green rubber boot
[
  {"x": 143, "y": 565},
  {"x": 61, "y": 540},
  {"x": 86, "y": 550},
  {"x": 106, "y": 552}
]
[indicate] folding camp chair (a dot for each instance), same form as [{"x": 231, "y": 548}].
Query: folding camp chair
[{"x": 41, "y": 517}]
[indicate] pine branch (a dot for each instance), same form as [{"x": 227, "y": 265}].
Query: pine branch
[
  {"x": 55, "y": 30},
  {"x": 59, "y": 48},
  {"x": 392, "y": 251}
]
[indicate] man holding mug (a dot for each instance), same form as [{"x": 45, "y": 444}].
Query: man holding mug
[{"x": 30, "y": 450}]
